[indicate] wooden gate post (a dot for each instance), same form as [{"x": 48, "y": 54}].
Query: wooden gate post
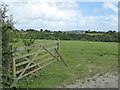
[
  {"x": 58, "y": 45},
  {"x": 14, "y": 68},
  {"x": 58, "y": 48}
]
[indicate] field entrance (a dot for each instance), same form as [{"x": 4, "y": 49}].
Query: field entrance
[{"x": 28, "y": 60}]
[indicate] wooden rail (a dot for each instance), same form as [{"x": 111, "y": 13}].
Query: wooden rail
[
  {"x": 37, "y": 45},
  {"x": 33, "y": 53}
]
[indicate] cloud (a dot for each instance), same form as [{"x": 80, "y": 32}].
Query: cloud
[
  {"x": 108, "y": 22},
  {"x": 111, "y": 6},
  {"x": 44, "y": 13},
  {"x": 58, "y": 16}
]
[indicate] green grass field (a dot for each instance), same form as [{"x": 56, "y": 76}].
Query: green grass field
[{"x": 84, "y": 59}]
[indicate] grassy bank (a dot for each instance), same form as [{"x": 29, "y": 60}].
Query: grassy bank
[{"x": 84, "y": 58}]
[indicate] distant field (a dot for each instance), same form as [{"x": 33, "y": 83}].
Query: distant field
[
  {"x": 84, "y": 58},
  {"x": 93, "y": 34}
]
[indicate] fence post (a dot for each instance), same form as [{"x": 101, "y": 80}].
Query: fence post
[{"x": 58, "y": 48}]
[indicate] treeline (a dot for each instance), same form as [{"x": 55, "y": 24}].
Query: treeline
[{"x": 110, "y": 36}]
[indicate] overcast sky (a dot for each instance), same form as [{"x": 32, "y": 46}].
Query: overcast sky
[{"x": 65, "y": 15}]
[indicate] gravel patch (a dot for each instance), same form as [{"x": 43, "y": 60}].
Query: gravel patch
[{"x": 98, "y": 81}]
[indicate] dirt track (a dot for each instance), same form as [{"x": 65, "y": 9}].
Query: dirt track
[{"x": 105, "y": 81}]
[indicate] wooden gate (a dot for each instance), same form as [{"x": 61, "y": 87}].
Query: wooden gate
[{"x": 39, "y": 57}]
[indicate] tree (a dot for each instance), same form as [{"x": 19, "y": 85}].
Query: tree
[
  {"x": 41, "y": 30},
  {"x": 7, "y": 27},
  {"x": 28, "y": 40}
]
